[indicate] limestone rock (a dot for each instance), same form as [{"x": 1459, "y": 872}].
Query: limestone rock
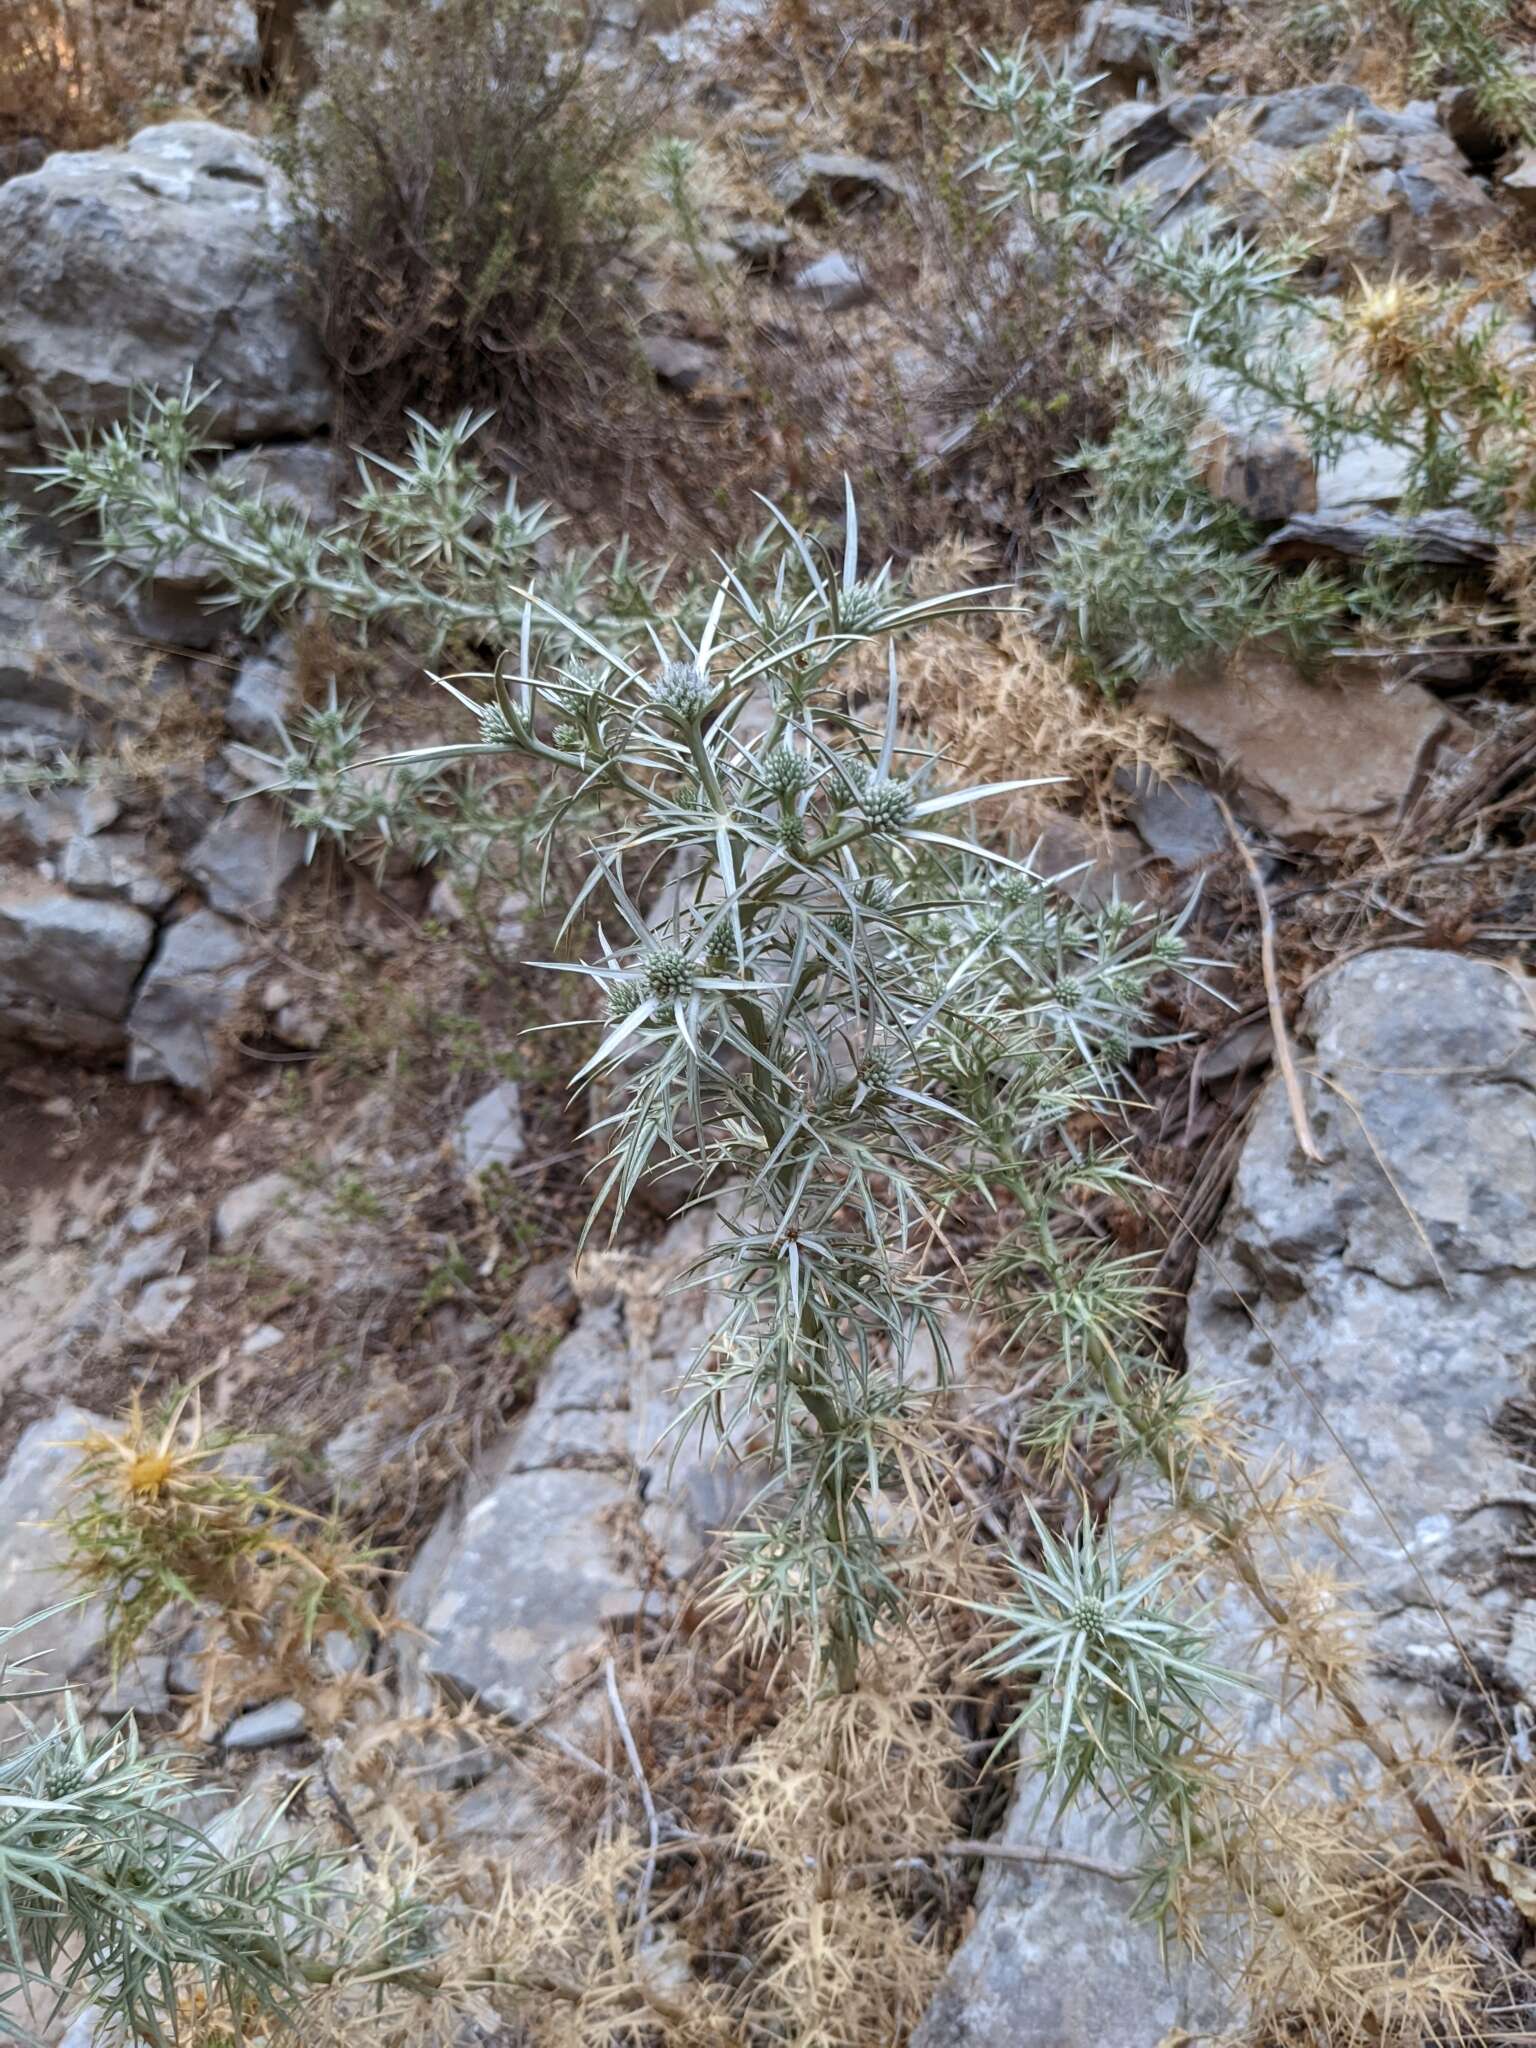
[
  {"x": 68, "y": 965},
  {"x": 1520, "y": 184},
  {"x": 132, "y": 268},
  {"x": 33, "y": 1488},
  {"x": 1379, "y": 1308},
  {"x": 263, "y": 1727},
  {"x": 1369, "y": 1318},
  {"x": 262, "y": 698},
  {"x": 54, "y": 673},
  {"x": 120, "y": 866},
  {"x": 834, "y": 282},
  {"x": 513, "y": 1587},
  {"x": 244, "y": 859},
  {"x": 1055, "y": 1961},
  {"x": 189, "y": 995},
  {"x": 490, "y": 1132},
  {"x": 245, "y": 1209},
  {"x": 1309, "y": 757},
  {"x": 824, "y": 182},
  {"x": 1126, "y": 42}
]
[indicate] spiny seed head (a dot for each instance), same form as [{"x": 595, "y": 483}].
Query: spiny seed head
[
  {"x": 1168, "y": 948},
  {"x": 682, "y": 689},
  {"x": 785, "y": 773},
  {"x": 1068, "y": 992},
  {"x": 858, "y": 609},
  {"x": 1013, "y": 891},
  {"x": 1088, "y": 1617},
  {"x": 877, "y": 892},
  {"x": 669, "y": 975},
  {"x": 568, "y": 739},
  {"x": 878, "y": 1072},
  {"x": 62, "y": 1779},
  {"x": 624, "y": 998},
  {"x": 886, "y": 800},
  {"x": 791, "y": 834},
  {"x": 987, "y": 924},
  {"x": 495, "y": 727}
]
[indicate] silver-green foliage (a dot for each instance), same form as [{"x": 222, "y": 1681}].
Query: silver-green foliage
[
  {"x": 1118, "y": 1677},
  {"x": 109, "y": 1891},
  {"x": 1156, "y": 570},
  {"x": 829, "y": 1002}
]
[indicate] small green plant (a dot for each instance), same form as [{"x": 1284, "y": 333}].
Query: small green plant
[
  {"x": 1471, "y": 42},
  {"x": 818, "y": 993},
  {"x": 1119, "y": 1681}
]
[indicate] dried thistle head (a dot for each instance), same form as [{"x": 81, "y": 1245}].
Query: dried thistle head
[
  {"x": 1388, "y": 323},
  {"x": 163, "y": 1513}
]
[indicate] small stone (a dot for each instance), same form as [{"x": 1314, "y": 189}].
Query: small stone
[
  {"x": 68, "y": 964},
  {"x": 836, "y": 284},
  {"x": 242, "y": 1212},
  {"x": 161, "y": 1306},
  {"x": 120, "y": 865},
  {"x": 34, "y": 1486},
  {"x": 189, "y": 995},
  {"x": 1178, "y": 819},
  {"x": 545, "y": 1296},
  {"x": 261, "y": 699},
  {"x": 302, "y": 1026},
  {"x": 140, "y": 1688},
  {"x": 244, "y": 859},
  {"x": 1520, "y": 183},
  {"x": 1127, "y": 42},
  {"x": 265, "y": 1727},
  {"x": 490, "y": 1133},
  {"x": 759, "y": 245},
  {"x": 1520, "y": 1653},
  {"x": 265, "y": 1337},
  {"x": 678, "y": 364},
  {"x": 824, "y": 182}
]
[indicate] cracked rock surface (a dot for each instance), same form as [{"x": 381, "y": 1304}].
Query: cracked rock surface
[
  {"x": 586, "y": 1500},
  {"x": 1370, "y": 1317}
]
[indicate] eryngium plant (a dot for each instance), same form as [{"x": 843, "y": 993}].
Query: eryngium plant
[
  {"x": 109, "y": 1891},
  {"x": 826, "y": 998}
]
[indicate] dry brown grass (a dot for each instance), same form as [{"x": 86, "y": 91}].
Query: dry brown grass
[
  {"x": 999, "y": 704},
  {"x": 75, "y": 74}
]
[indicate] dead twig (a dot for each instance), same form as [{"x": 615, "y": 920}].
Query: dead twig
[
  {"x": 653, "y": 1825},
  {"x": 1284, "y": 1057}
]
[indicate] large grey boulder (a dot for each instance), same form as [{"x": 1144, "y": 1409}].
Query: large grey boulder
[
  {"x": 191, "y": 990},
  {"x": 34, "y": 1487},
  {"x": 1375, "y": 1314},
  {"x": 134, "y": 268},
  {"x": 1368, "y": 1317},
  {"x": 513, "y": 1588},
  {"x": 68, "y": 964}
]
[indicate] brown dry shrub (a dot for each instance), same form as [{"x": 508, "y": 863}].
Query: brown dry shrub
[
  {"x": 75, "y": 74},
  {"x": 455, "y": 173}
]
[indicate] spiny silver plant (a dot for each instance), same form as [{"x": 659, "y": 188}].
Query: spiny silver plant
[
  {"x": 824, "y": 1000},
  {"x": 1119, "y": 1678},
  {"x": 1156, "y": 569},
  {"x": 109, "y": 1891},
  {"x": 428, "y": 548},
  {"x": 820, "y": 996}
]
